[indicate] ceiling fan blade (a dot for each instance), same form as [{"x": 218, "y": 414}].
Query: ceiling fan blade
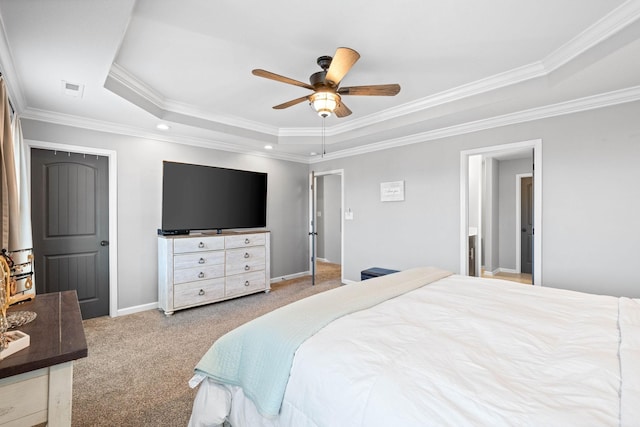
[
  {"x": 342, "y": 110},
  {"x": 341, "y": 63},
  {"x": 373, "y": 90},
  {"x": 279, "y": 78},
  {"x": 290, "y": 103}
]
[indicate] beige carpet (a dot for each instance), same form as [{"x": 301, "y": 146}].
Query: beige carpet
[{"x": 139, "y": 365}]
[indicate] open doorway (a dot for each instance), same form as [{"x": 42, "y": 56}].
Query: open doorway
[
  {"x": 327, "y": 224},
  {"x": 524, "y": 224},
  {"x": 492, "y": 214}
]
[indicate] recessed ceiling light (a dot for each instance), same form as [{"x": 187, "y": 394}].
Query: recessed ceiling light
[
  {"x": 313, "y": 153},
  {"x": 268, "y": 147},
  {"x": 163, "y": 126}
]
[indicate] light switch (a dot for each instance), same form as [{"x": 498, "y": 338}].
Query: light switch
[{"x": 348, "y": 214}]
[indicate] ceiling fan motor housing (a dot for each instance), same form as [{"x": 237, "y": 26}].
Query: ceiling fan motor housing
[{"x": 317, "y": 79}]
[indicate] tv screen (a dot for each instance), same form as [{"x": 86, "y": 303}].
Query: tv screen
[{"x": 196, "y": 197}]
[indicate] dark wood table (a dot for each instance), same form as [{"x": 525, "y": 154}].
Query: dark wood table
[{"x": 40, "y": 377}]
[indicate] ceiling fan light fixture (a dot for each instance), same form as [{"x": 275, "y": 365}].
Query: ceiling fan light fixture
[{"x": 325, "y": 103}]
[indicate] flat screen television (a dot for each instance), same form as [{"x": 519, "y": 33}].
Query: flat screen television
[{"x": 196, "y": 197}]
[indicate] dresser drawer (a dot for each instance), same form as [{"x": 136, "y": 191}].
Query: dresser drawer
[
  {"x": 194, "y": 260},
  {"x": 196, "y": 274},
  {"x": 245, "y": 260},
  {"x": 243, "y": 240},
  {"x": 196, "y": 293},
  {"x": 198, "y": 244},
  {"x": 244, "y": 283}
]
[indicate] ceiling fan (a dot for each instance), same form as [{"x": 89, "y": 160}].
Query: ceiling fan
[{"x": 327, "y": 95}]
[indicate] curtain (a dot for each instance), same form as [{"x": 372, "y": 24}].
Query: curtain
[
  {"x": 22, "y": 239},
  {"x": 15, "y": 203},
  {"x": 9, "y": 201}
]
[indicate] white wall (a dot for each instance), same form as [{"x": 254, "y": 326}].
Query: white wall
[
  {"x": 139, "y": 164},
  {"x": 590, "y": 200}
]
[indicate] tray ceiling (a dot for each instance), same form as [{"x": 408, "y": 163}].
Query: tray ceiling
[{"x": 460, "y": 64}]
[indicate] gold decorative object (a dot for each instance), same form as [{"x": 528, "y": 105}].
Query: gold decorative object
[
  {"x": 5, "y": 295},
  {"x": 10, "y": 273}
]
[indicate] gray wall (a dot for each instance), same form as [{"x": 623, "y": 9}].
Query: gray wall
[
  {"x": 491, "y": 218},
  {"x": 328, "y": 225},
  {"x": 422, "y": 229},
  {"x": 507, "y": 209},
  {"x": 139, "y": 163},
  {"x": 590, "y": 200}
]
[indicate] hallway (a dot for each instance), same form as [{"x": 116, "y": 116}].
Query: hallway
[{"x": 513, "y": 277}]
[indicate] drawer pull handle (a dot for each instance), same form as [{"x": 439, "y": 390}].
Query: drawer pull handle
[
  {"x": 201, "y": 275},
  {"x": 247, "y": 241},
  {"x": 246, "y": 283},
  {"x": 247, "y": 268},
  {"x": 246, "y": 254},
  {"x": 201, "y": 261},
  {"x": 201, "y": 292},
  {"x": 201, "y": 245}
]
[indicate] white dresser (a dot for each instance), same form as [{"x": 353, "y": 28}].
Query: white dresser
[{"x": 200, "y": 269}]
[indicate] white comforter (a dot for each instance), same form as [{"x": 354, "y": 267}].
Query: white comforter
[{"x": 459, "y": 352}]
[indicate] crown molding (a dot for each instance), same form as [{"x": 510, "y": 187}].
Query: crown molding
[
  {"x": 135, "y": 85},
  {"x": 131, "y": 83},
  {"x": 569, "y": 107},
  {"x": 610, "y": 24},
  {"x": 497, "y": 81},
  {"x": 109, "y": 127}
]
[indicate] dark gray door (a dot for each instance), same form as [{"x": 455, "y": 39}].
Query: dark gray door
[
  {"x": 70, "y": 215},
  {"x": 526, "y": 225}
]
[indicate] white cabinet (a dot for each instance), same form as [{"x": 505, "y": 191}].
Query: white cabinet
[{"x": 201, "y": 269}]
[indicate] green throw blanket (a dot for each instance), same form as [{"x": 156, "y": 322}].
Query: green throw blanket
[{"x": 258, "y": 355}]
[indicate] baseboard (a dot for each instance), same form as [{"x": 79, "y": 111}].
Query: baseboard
[
  {"x": 137, "y": 309},
  {"x": 500, "y": 270},
  {"x": 491, "y": 273},
  {"x": 289, "y": 276}
]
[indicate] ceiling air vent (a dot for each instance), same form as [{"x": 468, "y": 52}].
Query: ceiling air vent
[{"x": 73, "y": 90}]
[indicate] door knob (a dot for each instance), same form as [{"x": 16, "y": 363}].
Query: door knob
[{"x": 104, "y": 243}]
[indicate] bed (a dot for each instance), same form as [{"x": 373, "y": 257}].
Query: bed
[{"x": 424, "y": 347}]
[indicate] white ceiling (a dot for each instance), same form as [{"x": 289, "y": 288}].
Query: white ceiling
[{"x": 462, "y": 65}]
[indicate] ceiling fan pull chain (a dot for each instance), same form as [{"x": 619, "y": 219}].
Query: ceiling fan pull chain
[{"x": 323, "y": 150}]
